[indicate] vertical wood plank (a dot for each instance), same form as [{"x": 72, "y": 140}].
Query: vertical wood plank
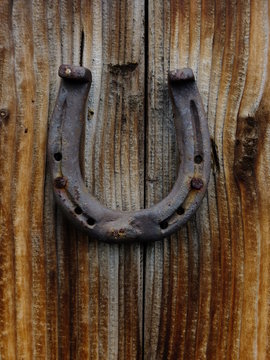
[
  {"x": 246, "y": 153},
  {"x": 99, "y": 287},
  {"x": 40, "y": 64},
  {"x": 114, "y": 134},
  {"x": 223, "y": 288},
  {"x": 22, "y": 190},
  {"x": 7, "y": 163},
  {"x": 50, "y": 215},
  {"x": 71, "y": 298},
  {"x": 262, "y": 178}
]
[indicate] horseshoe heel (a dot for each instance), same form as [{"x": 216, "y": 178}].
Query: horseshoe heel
[{"x": 87, "y": 212}]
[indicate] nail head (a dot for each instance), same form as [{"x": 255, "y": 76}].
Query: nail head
[
  {"x": 196, "y": 183},
  {"x": 4, "y": 113},
  {"x": 60, "y": 182}
]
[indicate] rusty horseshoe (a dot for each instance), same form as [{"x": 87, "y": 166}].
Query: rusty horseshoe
[{"x": 83, "y": 209}]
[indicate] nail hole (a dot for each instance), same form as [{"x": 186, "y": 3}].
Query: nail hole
[
  {"x": 180, "y": 210},
  {"x": 164, "y": 224},
  {"x": 198, "y": 159},
  {"x": 91, "y": 221},
  {"x": 78, "y": 210},
  {"x": 58, "y": 156}
]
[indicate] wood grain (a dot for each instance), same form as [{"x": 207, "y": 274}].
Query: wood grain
[
  {"x": 63, "y": 296},
  {"x": 7, "y": 139},
  {"x": 222, "y": 265},
  {"x": 97, "y": 317},
  {"x": 203, "y": 293}
]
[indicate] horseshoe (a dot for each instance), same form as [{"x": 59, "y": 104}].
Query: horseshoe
[{"x": 82, "y": 208}]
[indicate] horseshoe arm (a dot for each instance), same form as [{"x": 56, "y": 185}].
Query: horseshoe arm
[{"x": 84, "y": 209}]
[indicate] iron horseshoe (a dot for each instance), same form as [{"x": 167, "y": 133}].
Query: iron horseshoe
[{"x": 83, "y": 209}]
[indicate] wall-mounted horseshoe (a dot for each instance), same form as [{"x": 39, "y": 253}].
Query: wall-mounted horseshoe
[{"x": 87, "y": 212}]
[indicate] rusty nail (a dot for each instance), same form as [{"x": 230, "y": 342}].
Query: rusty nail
[
  {"x": 4, "y": 113},
  {"x": 60, "y": 182},
  {"x": 196, "y": 183}
]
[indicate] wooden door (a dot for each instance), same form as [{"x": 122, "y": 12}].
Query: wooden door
[{"x": 202, "y": 294}]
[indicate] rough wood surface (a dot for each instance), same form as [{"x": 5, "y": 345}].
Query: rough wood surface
[
  {"x": 202, "y": 294},
  {"x": 208, "y": 288}
]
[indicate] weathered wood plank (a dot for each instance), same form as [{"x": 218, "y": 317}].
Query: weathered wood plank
[
  {"x": 262, "y": 171},
  {"x": 248, "y": 136},
  {"x": 40, "y": 64},
  {"x": 64, "y": 297},
  {"x": 204, "y": 293},
  {"x": 22, "y": 175},
  {"x": 223, "y": 269},
  {"x": 115, "y": 133},
  {"x": 98, "y": 315},
  {"x": 7, "y": 146}
]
